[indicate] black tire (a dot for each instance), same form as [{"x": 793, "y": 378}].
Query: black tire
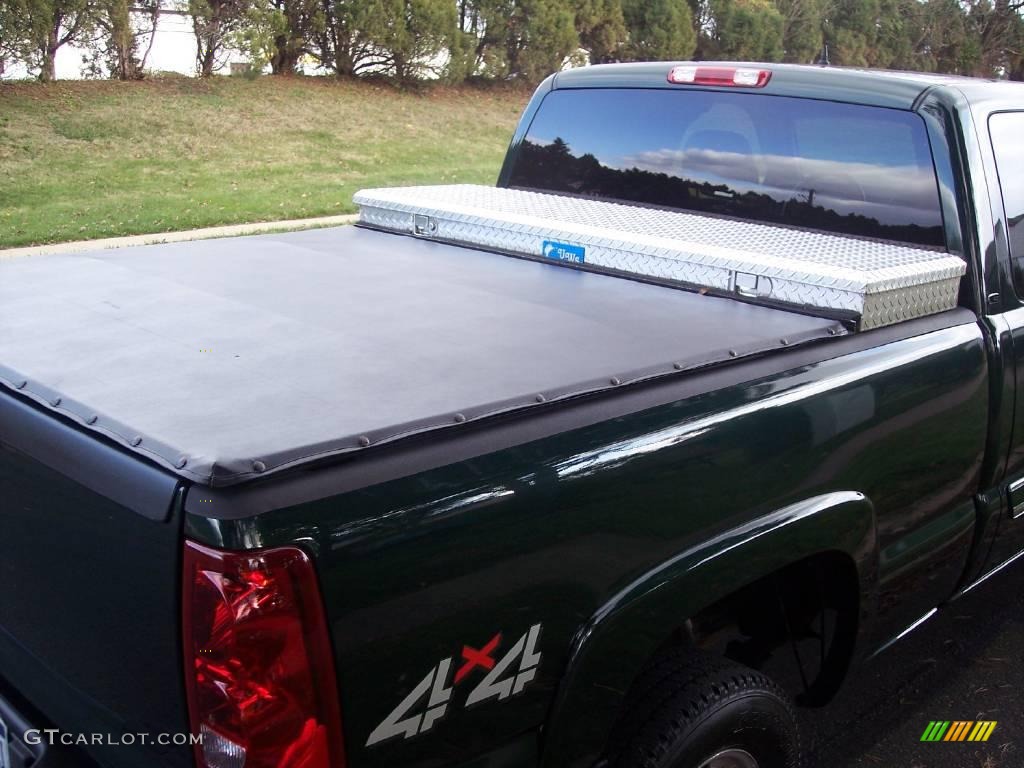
[{"x": 688, "y": 707}]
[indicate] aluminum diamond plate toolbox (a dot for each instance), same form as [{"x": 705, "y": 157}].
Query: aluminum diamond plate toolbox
[{"x": 877, "y": 283}]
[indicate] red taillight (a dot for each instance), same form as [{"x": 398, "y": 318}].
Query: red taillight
[
  {"x": 259, "y": 672},
  {"x": 732, "y": 77}
]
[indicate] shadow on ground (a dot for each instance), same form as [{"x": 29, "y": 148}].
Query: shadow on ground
[{"x": 966, "y": 663}]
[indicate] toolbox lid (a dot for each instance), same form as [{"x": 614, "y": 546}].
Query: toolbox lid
[{"x": 871, "y": 281}]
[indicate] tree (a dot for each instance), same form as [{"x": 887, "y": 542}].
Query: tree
[
  {"x": 301, "y": 21},
  {"x": 461, "y": 64},
  {"x": 542, "y": 39},
  {"x": 67, "y": 20},
  {"x": 257, "y": 36},
  {"x": 897, "y": 40},
  {"x": 214, "y": 23},
  {"x": 748, "y": 30},
  {"x": 996, "y": 27},
  {"x": 852, "y": 31},
  {"x": 279, "y": 33},
  {"x": 114, "y": 17},
  {"x": 343, "y": 41},
  {"x": 601, "y": 28},
  {"x": 659, "y": 30},
  {"x": 932, "y": 36},
  {"x": 115, "y": 43},
  {"x": 478, "y": 50},
  {"x": 1015, "y": 68},
  {"x": 519, "y": 39},
  {"x": 33, "y": 31},
  {"x": 414, "y": 36},
  {"x": 16, "y": 31},
  {"x": 802, "y": 29}
]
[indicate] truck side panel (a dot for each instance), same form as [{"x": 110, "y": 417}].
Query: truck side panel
[
  {"x": 90, "y": 550},
  {"x": 459, "y": 562}
]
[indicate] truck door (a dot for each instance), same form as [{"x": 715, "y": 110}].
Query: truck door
[{"x": 1003, "y": 131}]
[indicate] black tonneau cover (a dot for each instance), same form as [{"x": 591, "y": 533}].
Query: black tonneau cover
[{"x": 228, "y": 359}]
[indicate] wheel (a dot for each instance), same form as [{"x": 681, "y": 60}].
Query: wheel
[{"x": 693, "y": 711}]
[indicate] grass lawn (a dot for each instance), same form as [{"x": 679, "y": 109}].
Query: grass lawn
[{"x": 95, "y": 159}]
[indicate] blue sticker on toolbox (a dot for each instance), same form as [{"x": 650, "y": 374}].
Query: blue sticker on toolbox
[{"x": 564, "y": 251}]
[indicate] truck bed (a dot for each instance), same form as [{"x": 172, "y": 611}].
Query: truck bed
[{"x": 226, "y": 360}]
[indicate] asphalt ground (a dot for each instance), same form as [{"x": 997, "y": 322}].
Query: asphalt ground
[{"x": 965, "y": 663}]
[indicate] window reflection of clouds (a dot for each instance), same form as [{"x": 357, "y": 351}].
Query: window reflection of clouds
[
  {"x": 898, "y": 193},
  {"x": 823, "y": 165}
]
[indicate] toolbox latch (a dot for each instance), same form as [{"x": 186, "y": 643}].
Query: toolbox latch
[
  {"x": 752, "y": 286},
  {"x": 424, "y": 225}
]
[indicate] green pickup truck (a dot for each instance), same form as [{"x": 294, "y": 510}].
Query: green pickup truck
[{"x": 711, "y": 399}]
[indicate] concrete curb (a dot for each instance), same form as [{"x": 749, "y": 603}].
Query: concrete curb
[{"x": 233, "y": 230}]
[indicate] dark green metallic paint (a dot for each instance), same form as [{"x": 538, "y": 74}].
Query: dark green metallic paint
[
  {"x": 630, "y": 627},
  {"x": 860, "y": 453},
  {"x": 1008, "y": 537},
  {"x": 882, "y": 89}
]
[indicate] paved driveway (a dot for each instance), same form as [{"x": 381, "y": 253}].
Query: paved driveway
[{"x": 967, "y": 663}]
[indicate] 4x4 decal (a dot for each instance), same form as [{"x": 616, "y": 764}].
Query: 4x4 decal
[{"x": 414, "y": 716}]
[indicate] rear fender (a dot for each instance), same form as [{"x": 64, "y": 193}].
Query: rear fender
[{"x": 613, "y": 646}]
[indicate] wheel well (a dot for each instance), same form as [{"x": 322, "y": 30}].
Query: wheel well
[{"x": 798, "y": 625}]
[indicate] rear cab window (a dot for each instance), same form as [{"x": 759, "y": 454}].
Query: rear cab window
[
  {"x": 1006, "y": 130},
  {"x": 842, "y": 168}
]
